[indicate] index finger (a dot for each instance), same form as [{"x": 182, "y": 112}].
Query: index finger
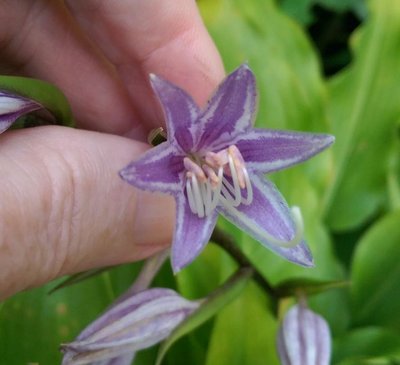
[{"x": 167, "y": 38}]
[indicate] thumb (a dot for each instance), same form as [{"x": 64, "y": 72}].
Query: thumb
[{"x": 64, "y": 208}]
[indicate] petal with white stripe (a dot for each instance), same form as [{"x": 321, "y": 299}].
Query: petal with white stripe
[
  {"x": 230, "y": 111},
  {"x": 268, "y": 217},
  {"x": 267, "y": 150},
  {"x": 159, "y": 169},
  {"x": 180, "y": 112},
  {"x": 191, "y": 234}
]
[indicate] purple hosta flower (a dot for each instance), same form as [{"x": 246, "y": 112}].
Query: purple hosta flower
[
  {"x": 136, "y": 323},
  {"x": 14, "y": 106},
  {"x": 213, "y": 162},
  {"x": 304, "y": 338}
]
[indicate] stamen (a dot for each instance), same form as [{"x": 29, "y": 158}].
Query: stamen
[
  {"x": 198, "y": 197},
  {"x": 236, "y": 185},
  {"x": 189, "y": 192},
  {"x": 238, "y": 162},
  {"x": 205, "y": 189},
  {"x": 249, "y": 188}
]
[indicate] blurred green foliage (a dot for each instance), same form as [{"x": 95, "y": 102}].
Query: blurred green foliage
[{"x": 349, "y": 196}]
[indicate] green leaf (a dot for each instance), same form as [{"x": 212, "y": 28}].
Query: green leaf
[
  {"x": 364, "y": 110},
  {"x": 393, "y": 175},
  {"x": 217, "y": 300},
  {"x": 366, "y": 342},
  {"x": 372, "y": 361},
  {"x": 244, "y": 332},
  {"x": 44, "y": 93},
  {"x": 375, "y": 275},
  {"x": 299, "y": 10},
  {"x": 34, "y": 324},
  {"x": 292, "y": 93},
  {"x": 292, "y": 287}
]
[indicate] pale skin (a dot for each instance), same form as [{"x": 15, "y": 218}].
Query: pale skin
[{"x": 63, "y": 207}]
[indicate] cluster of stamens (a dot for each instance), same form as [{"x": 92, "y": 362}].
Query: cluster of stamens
[
  {"x": 222, "y": 178},
  {"x": 217, "y": 178}
]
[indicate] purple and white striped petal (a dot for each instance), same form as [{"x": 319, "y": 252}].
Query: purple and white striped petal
[
  {"x": 138, "y": 322},
  {"x": 125, "y": 359},
  {"x": 141, "y": 283},
  {"x": 268, "y": 215},
  {"x": 267, "y": 150},
  {"x": 12, "y": 107},
  {"x": 191, "y": 234},
  {"x": 231, "y": 111},
  {"x": 180, "y": 113},
  {"x": 304, "y": 338},
  {"x": 158, "y": 169}
]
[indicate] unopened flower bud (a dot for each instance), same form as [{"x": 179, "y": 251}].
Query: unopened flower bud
[
  {"x": 304, "y": 338},
  {"x": 138, "y": 322}
]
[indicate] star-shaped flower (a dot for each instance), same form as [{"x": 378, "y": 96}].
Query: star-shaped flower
[{"x": 213, "y": 162}]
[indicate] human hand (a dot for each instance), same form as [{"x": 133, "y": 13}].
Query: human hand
[{"x": 64, "y": 208}]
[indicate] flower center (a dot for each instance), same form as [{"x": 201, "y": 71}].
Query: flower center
[{"x": 217, "y": 178}]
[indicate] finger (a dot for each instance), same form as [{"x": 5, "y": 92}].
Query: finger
[
  {"x": 167, "y": 38},
  {"x": 42, "y": 40},
  {"x": 64, "y": 208}
]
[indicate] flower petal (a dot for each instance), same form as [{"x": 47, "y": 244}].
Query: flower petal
[
  {"x": 191, "y": 234},
  {"x": 270, "y": 150},
  {"x": 230, "y": 111},
  {"x": 158, "y": 169},
  {"x": 268, "y": 215},
  {"x": 12, "y": 107},
  {"x": 180, "y": 112},
  {"x": 304, "y": 338},
  {"x": 125, "y": 359},
  {"x": 138, "y": 322}
]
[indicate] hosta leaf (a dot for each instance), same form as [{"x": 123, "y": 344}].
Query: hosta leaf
[
  {"x": 244, "y": 332},
  {"x": 375, "y": 275},
  {"x": 366, "y": 342},
  {"x": 364, "y": 111},
  {"x": 212, "y": 305}
]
